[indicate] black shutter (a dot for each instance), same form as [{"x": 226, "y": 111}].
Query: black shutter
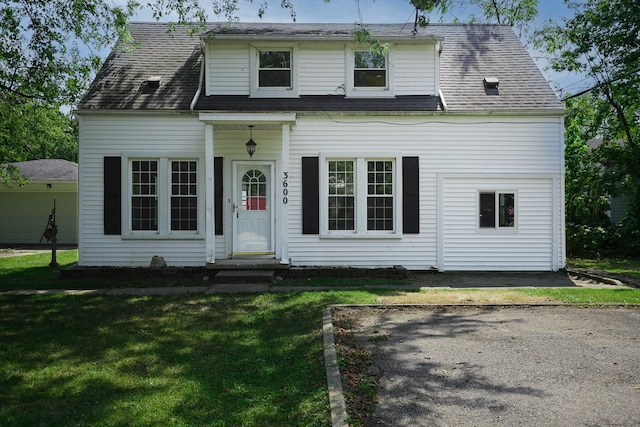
[
  {"x": 217, "y": 194},
  {"x": 410, "y": 195},
  {"x": 310, "y": 195},
  {"x": 112, "y": 196}
]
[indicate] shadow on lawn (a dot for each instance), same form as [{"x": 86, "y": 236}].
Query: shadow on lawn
[{"x": 232, "y": 360}]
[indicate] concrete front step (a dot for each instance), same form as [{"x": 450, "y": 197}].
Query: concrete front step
[
  {"x": 244, "y": 276},
  {"x": 248, "y": 264}
]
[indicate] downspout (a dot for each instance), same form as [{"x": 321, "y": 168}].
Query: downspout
[
  {"x": 443, "y": 103},
  {"x": 199, "y": 91},
  {"x": 439, "y": 46}
]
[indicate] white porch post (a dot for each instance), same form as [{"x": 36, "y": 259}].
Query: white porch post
[
  {"x": 210, "y": 234},
  {"x": 284, "y": 196}
]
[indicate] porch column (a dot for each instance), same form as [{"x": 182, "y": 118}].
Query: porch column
[
  {"x": 284, "y": 196},
  {"x": 209, "y": 221}
]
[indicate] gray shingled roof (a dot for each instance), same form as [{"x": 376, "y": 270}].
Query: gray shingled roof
[
  {"x": 470, "y": 53},
  {"x": 48, "y": 170}
]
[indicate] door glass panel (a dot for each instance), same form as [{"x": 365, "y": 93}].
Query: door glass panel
[{"x": 254, "y": 191}]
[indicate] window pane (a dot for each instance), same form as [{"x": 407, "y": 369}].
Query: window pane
[
  {"x": 370, "y": 78},
  {"x": 341, "y": 213},
  {"x": 254, "y": 191},
  {"x": 380, "y": 213},
  {"x": 184, "y": 197},
  {"x": 275, "y": 59},
  {"x": 368, "y": 59},
  {"x": 144, "y": 200},
  {"x": 507, "y": 209},
  {"x": 275, "y": 78},
  {"x": 487, "y": 210}
]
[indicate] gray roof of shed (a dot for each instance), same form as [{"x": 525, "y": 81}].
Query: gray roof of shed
[
  {"x": 48, "y": 170},
  {"x": 470, "y": 53}
]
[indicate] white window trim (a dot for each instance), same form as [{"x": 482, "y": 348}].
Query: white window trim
[
  {"x": 254, "y": 64},
  {"x": 164, "y": 197},
  {"x": 497, "y": 228},
  {"x": 360, "y": 170},
  {"x": 352, "y": 91}
]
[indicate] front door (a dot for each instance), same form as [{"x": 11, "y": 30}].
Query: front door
[{"x": 252, "y": 208}]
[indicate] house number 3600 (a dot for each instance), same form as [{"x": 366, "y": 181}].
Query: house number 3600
[{"x": 285, "y": 189}]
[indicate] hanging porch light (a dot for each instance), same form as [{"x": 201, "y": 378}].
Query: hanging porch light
[{"x": 251, "y": 144}]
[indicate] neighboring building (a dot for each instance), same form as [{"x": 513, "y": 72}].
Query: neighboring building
[
  {"x": 25, "y": 209},
  {"x": 444, "y": 153}
]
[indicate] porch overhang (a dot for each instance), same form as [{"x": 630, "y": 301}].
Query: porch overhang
[
  {"x": 229, "y": 119},
  {"x": 214, "y": 121}
]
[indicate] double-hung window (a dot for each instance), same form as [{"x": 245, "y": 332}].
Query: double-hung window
[
  {"x": 274, "y": 71},
  {"x": 497, "y": 209},
  {"x": 360, "y": 197},
  {"x": 164, "y": 197},
  {"x": 369, "y": 69},
  {"x": 369, "y": 73},
  {"x": 274, "y": 68}
]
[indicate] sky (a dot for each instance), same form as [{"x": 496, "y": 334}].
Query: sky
[{"x": 390, "y": 11}]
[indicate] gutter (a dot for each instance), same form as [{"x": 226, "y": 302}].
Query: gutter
[{"x": 200, "y": 79}]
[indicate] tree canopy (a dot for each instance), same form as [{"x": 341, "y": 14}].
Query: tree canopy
[
  {"x": 602, "y": 41},
  {"x": 48, "y": 54}
]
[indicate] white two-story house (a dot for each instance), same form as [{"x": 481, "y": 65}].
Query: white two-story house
[{"x": 294, "y": 142}]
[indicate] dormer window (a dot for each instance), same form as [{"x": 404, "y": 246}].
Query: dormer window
[
  {"x": 369, "y": 69},
  {"x": 274, "y": 71},
  {"x": 369, "y": 74},
  {"x": 274, "y": 68}
]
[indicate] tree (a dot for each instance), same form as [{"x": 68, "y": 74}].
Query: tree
[
  {"x": 602, "y": 41},
  {"x": 47, "y": 58}
]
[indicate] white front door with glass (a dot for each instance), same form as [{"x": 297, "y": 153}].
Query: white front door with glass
[{"x": 252, "y": 208}]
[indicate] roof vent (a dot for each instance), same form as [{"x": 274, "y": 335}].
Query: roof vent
[
  {"x": 154, "y": 81},
  {"x": 491, "y": 85},
  {"x": 491, "y": 82}
]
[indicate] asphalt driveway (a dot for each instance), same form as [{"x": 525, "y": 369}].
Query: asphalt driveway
[{"x": 481, "y": 366}]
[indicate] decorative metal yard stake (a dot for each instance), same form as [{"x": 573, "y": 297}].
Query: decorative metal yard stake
[{"x": 50, "y": 233}]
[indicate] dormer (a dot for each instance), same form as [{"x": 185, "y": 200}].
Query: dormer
[{"x": 295, "y": 60}]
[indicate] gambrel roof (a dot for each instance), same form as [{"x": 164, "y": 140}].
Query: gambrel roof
[{"x": 470, "y": 53}]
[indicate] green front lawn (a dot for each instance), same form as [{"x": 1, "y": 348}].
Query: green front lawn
[
  {"x": 226, "y": 360},
  {"x": 254, "y": 360}
]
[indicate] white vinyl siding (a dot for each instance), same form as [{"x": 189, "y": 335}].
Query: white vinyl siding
[
  {"x": 228, "y": 69},
  {"x": 415, "y": 73},
  {"x": 141, "y": 136},
  {"x": 467, "y": 247},
  {"x": 322, "y": 69},
  {"x": 458, "y": 157},
  {"x": 502, "y": 145}
]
